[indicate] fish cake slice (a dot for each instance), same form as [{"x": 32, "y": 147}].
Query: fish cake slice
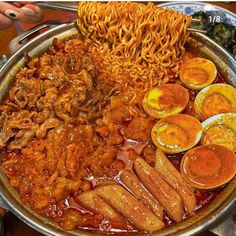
[
  {"x": 172, "y": 175},
  {"x": 160, "y": 189},
  {"x": 93, "y": 202},
  {"x": 136, "y": 187},
  {"x": 134, "y": 210}
]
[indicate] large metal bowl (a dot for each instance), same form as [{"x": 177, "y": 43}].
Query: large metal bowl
[{"x": 215, "y": 211}]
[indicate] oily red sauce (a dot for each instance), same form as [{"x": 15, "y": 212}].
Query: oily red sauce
[
  {"x": 204, "y": 197},
  {"x": 7, "y": 154},
  {"x": 220, "y": 79},
  {"x": 126, "y": 153}
]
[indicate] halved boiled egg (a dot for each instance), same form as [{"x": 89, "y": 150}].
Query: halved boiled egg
[
  {"x": 165, "y": 100},
  {"x": 220, "y": 129},
  {"x": 176, "y": 133},
  {"x": 208, "y": 166},
  {"x": 215, "y": 99},
  {"x": 197, "y": 73}
]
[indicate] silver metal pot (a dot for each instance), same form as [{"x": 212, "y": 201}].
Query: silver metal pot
[{"x": 205, "y": 218}]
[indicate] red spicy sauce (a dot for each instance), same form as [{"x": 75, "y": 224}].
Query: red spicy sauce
[{"x": 204, "y": 197}]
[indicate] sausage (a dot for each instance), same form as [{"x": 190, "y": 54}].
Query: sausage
[
  {"x": 136, "y": 187},
  {"x": 134, "y": 210},
  {"x": 172, "y": 175},
  {"x": 160, "y": 189},
  {"x": 96, "y": 204}
]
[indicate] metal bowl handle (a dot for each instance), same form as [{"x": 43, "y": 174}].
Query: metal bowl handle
[
  {"x": 16, "y": 43},
  {"x": 3, "y": 204}
]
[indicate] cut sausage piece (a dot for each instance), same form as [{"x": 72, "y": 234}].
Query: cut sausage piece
[
  {"x": 136, "y": 187},
  {"x": 172, "y": 175},
  {"x": 96, "y": 204},
  {"x": 134, "y": 210},
  {"x": 160, "y": 189}
]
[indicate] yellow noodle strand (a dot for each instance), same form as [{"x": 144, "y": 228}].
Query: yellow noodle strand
[{"x": 144, "y": 41}]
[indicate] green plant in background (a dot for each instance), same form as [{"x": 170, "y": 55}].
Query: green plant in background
[{"x": 222, "y": 33}]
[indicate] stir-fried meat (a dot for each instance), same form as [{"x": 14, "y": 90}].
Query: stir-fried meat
[
  {"x": 82, "y": 100},
  {"x": 6, "y": 134},
  {"x": 21, "y": 120},
  {"x": 26, "y": 92},
  {"x": 139, "y": 129},
  {"x": 71, "y": 145},
  {"x": 14, "y": 128},
  {"x": 47, "y": 125},
  {"x": 44, "y": 105},
  {"x": 66, "y": 84},
  {"x": 22, "y": 139},
  {"x": 68, "y": 105}
]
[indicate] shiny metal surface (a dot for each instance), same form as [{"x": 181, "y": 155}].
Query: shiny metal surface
[
  {"x": 57, "y": 6},
  {"x": 16, "y": 43},
  {"x": 227, "y": 227},
  {"x": 205, "y": 218},
  {"x": 73, "y": 8},
  {"x": 3, "y": 60}
]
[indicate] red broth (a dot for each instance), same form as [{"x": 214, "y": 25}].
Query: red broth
[{"x": 125, "y": 155}]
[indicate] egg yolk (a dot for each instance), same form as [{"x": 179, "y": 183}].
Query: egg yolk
[
  {"x": 160, "y": 100},
  {"x": 176, "y": 133},
  {"x": 165, "y": 100},
  {"x": 210, "y": 163},
  {"x": 220, "y": 134},
  {"x": 197, "y": 75},
  {"x": 172, "y": 136},
  {"x": 208, "y": 166},
  {"x": 216, "y": 104}
]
